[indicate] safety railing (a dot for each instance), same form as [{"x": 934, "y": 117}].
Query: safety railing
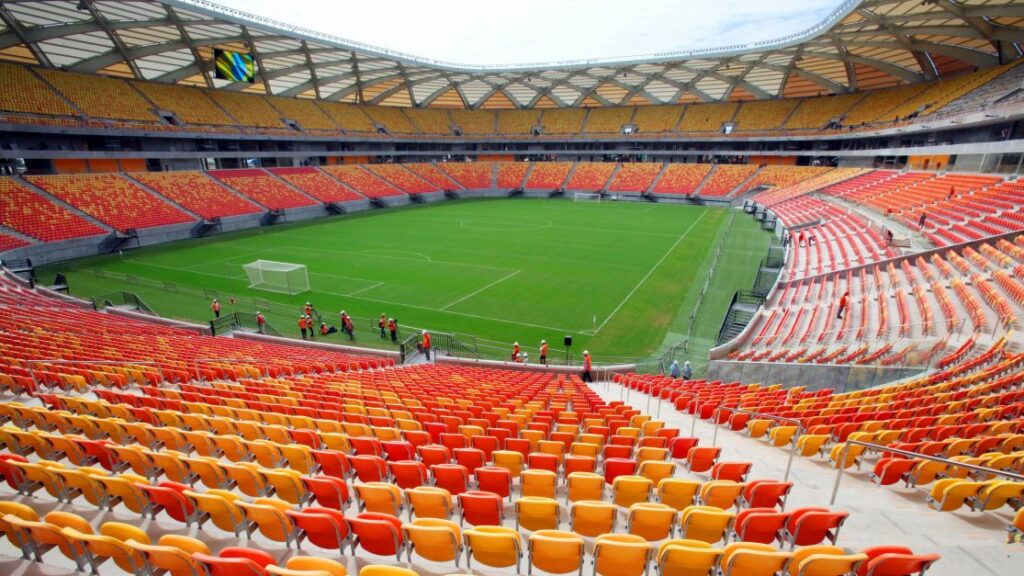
[
  {"x": 840, "y": 463},
  {"x": 792, "y": 443}
]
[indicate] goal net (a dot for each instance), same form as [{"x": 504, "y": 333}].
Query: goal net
[
  {"x": 283, "y": 277},
  {"x": 586, "y": 197}
]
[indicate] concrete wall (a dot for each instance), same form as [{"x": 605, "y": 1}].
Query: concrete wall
[{"x": 841, "y": 378}]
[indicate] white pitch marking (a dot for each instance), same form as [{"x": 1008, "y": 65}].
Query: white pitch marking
[
  {"x": 374, "y": 285},
  {"x": 479, "y": 290},
  {"x": 649, "y": 272}
]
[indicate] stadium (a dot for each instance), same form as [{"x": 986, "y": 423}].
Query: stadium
[{"x": 276, "y": 302}]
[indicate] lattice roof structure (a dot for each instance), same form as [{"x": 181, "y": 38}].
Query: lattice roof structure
[{"x": 861, "y": 45}]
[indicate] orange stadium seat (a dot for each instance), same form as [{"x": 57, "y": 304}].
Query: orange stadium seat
[
  {"x": 29, "y": 213},
  {"x": 197, "y": 193},
  {"x": 263, "y": 188}
]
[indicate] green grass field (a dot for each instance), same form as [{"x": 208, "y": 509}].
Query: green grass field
[{"x": 615, "y": 276}]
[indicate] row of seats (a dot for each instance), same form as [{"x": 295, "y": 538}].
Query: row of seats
[
  {"x": 316, "y": 183},
  {"x": 263, "y": 188},
  {"x": 25, "y": 211},
  {"x": 198, "y": 193}
]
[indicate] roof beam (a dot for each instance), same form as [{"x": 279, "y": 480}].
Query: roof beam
[
  {"x": 114, "y": 38},
  {"x": 187, "y": 39},
  {"x": 20, "y": 31},
  {"x": 891, "y": 69}
]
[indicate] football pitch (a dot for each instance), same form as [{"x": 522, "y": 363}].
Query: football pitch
[{"x": 616, "y": 276}]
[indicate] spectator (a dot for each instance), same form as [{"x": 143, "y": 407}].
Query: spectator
[
  {"x": 586, "y": 367},
  {"x": 215, "y": 307},
  {"x": 325, "y": 330},
  {"x": 843, "y": 303},
  {"x": 921, "y": 220},
  {"x": 515, "y": 351},
  {"x": 425, "y": 344}
]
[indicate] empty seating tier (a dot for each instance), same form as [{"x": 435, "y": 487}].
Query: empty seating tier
[
  {"x": 363, "y": 181},
  {"x": 25, "y": 211},
  {"x": 22, "y": 91},
  {"x": 112, "y": 200},
  {"x": 607, "y": 120},
  {"x": 198, "y": 193},
  {"x": 247, "y": 109},
  {"x": 100, "y": 96},
  {"x": 470, "y": 175},
  {"x": 263, "y": 188},
  {"x": 548, "y": 175},
  {"x": 190, "y": 105},
  {"x": 657, "y": 119},
  {"x": 635, "y": 177},
  {"x": 305, "y": 112},
  {"x": 682, "y": 178},
  {"x": 562, "y": 121},
  {"x": 431, "y": 173},
  {"x": 512, "y": 174},
  {"x": 520, "y": 122},
  {"x": 725, "y": 178},
  {"x": 590, "y": 176},
  {"x": 8, "y": 242},
  {"x": 760, "y": 115},
  {"x": 402, "y": 178},
  {"x": 350, "y": 118},
  {"x": 474, "y": 121},
  {"x": 816, "y": 113},
  {"x": 316, "y": 183},
  {"x": 707, "y": 117}
]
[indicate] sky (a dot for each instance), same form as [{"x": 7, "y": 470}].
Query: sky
[{"x": 486, "y": 32}]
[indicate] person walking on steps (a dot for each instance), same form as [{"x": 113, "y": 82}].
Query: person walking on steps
[
  {"x": 261, "y": 322},
  {"x": 843, "y": 303},
  {"x": 687, "y": 370},
  {"x": 425, "y": 344},
  {"x": 674, "y": 371},
  {"x": 544, "y": 352},
  {"x": 586, "y": 367},
  {"x": 921, "y": 220},
  {"x": 215, "y": 307}
]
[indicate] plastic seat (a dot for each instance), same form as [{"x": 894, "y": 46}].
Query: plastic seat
[
  {"x": 735, "y": 471},
  {"x": 680, "y": 447},
  {"x": 651, "y": 521},
  {"x": 470, "y": 458},
  {"x": 687, "y": 558},
  {"x": 494, "y": 479},
  {"x": 950, "y": 494},
  {"x": 810, "y": 526},
  {"x": 480, "y": 508},
  {"x": 408, "y": 473},
  {"x": 327, "y": 491},
  {"x": 537, "y": 513},
  {"x": 382, "y": 570},
  {"x": 538, "y": 483},
  {"x": 219, "y": 507},
  {"x": 287, "y": 484},
  {"x": 615, "y": 467},
  {"x": 434, "y": 539},
  {"x": 592, "y": 517},
  {"x": 169, "y": 497},
  {"x": 621, "y": 555},
  {"x": 751, "y": 559},
  {"x": 396, "y": 450},
  {"x": 452, "y": 477},
  {"x": 764, "y": 525},
  {"x": 543, "y": 461},
  {"x": 629, "y": 490},
  {"x": 996, "y": 494},
  {"x": 380, "y": 497},
  {"x": 268, "y": 516},
  {"x": 324, "y": 527},
  {"x": 722, "y": 494},
  {"x": 705, "y": 523},
  {"x": 173, "y": 554},
  {"x": 656, "y": 470},
  {"x": 379, "y": 534},
  {"x": 556, "y": 552},
  {"x": 677, "y": 492},
  {"x": 766, "y": 494},
  {"x": 895, "y": 561},
  {"x": 432, "y": 454},
  {"x": 584, "y": 486},
  {"x": 494, "y": 546},
  {"x": 230, "y": 565},
  {"x": 369, "y": 467},
  {"x": 702, "y": 459},
  {"x": 578, "y": 463},
  {"x": 308, "y": 564},
  {"x": 824, "y": 561},
  {"x": 35, "y": 538},
  {"x": 510, "y": 460},
  {"x": 110, "y": 544},
  {"x": 429, "y": 502}
]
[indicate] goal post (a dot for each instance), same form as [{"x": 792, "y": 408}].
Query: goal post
[
  {"x": 283, "y": 277},
  {"x": 586, "y": 197}
]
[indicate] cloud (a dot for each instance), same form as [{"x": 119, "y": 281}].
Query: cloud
[{"x": 537, "y": 31}]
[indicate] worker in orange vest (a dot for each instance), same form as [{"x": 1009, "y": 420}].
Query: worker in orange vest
[
  {"x": 308, "y": 309},
  {"x": 544, "y": 352},
  {"x": 261, "y": 322},
  {"x": 586, "y": 366},
  {"x": 382, "y": 324},
  {"x": 302, "y": 325},
  {"x": 393, "y": 329},
  {"x": 215, "y": 306},
  {"x": 843, "y": 303},
  {"x": 515, "y": 352},
  {"x": 425, "y": 344}
]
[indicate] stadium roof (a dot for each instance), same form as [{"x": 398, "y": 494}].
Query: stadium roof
[{"x": 862, "y": 44}]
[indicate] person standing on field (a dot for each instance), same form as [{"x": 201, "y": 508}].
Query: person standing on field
[
  {"x": 586, "y": 367},
  {"x": 310, "y": 327},
  {"x": 544, "y": 352},
  {"x": 261, "y": 322},
  {"x": 302, "y": 325},
  {"x": 425, "y": 344},
  {"x": 308, "y": 309},
  {"x": 382, "y": 324},
  {"x": 215, "y": 307},
  {"x": 393, "y": 329}
]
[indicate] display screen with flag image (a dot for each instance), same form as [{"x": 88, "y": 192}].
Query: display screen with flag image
[{"x": 234, "y": 66}]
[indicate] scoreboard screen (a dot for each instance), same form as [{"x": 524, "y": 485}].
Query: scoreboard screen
[{"x": 234, "y": 66}]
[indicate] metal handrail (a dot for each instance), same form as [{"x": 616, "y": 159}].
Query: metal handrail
[
  {"x": 879, "y": 447},
  {"x": 792, "y": 443}
]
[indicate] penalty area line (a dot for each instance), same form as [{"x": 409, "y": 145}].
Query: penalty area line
[{"x": 479, "y": 290}]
